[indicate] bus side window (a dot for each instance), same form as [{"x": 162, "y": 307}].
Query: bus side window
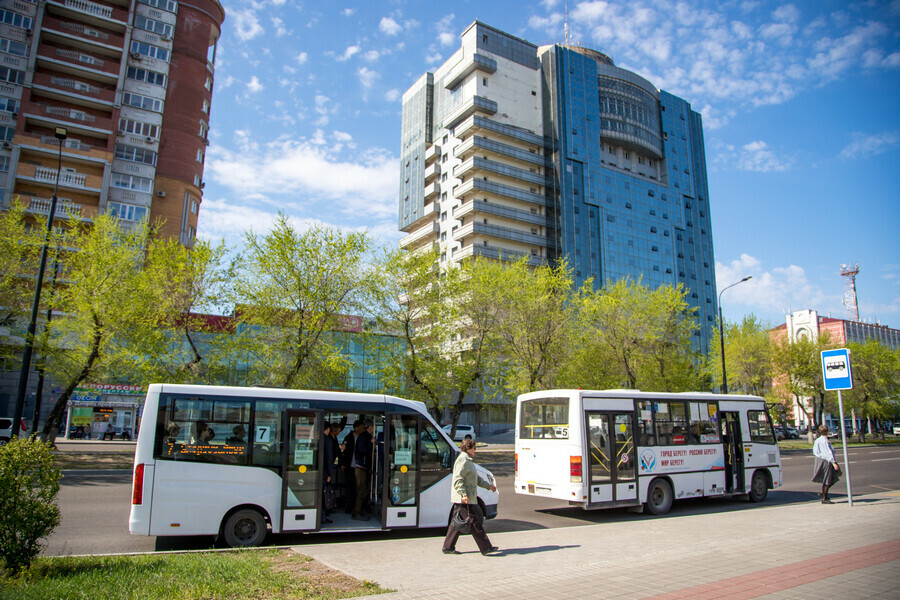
[{"x": 646, "y": 435}]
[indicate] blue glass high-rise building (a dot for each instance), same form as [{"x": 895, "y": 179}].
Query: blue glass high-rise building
[{"x": 510, "y": 150}]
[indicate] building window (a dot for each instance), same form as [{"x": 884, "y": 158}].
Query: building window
[
  {"x": 146, "y": 76},
  {"x": 195, "y": 206},
  {"x": 192, "y": 233},
  {"x": 150, "y": 50},
  {"x": 9, "y": 105},
  {"x": 11, "y": 47},
  {"x": 4, "y": 164},
  {"x": 138, "y": 128},
  {"x": 208, "y": 84},
  {"x": 154, "y": 26},
  {"x": 169, "y": 5},
  {"x": 7, "y": 133},
  {"x": 205, "y": 107},
  {"x": 145, "y": 102},
  {"x": 16, "y": 20},
  {"x": 135, "y": 154},
  {"x": 126, "y": 212},
  {"x": 131, "y": 182},
  {"x": 12, "y": 75},
  {"x": 200, "y": 155}
]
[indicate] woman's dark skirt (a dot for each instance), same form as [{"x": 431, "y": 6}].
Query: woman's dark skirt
[{"x": 824, "y": 473}]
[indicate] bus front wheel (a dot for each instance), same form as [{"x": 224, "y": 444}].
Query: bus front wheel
[
  {"x": 245, "y": 528},
  {"x": 759, "y": 487},
  {"x": 659, "y": 497}
]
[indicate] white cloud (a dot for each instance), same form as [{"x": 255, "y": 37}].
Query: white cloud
[
  {"x": 307, "y": 177},
  {"x": 367, "y": 77},
  {"x": 756, "y": 156},
  {"x": 348, "y": 12},
  {"x": 280, "y": 29},
  {"x": 371, "y": 55},
  {"x": 348, "y": 53},
  {"x": 254, "y": 86},
  {"x": 246, "y": 24},
  {"x": 865, "y": 145},
  {"x": 447, "y": 35},
  {"x": 775, "y": 290},
  {"x": 302, "y": 58},
  {"x": 389, "y": 26},
  {"x": 392, "y": 95}
]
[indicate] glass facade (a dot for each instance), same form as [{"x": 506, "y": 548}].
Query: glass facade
[
  {"x": 631, "y": 168},
  {"x": 566, "y": 156}
]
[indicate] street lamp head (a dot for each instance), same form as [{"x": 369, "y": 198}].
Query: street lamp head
[
  {"x": 60, "y": 133},
  {"x": 746, "y": 278}
]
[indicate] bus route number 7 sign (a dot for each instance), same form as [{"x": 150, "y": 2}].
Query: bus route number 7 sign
[{"x": 836, "y": 369}]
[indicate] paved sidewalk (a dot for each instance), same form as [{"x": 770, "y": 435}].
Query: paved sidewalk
[{"x": 803, "y": 551}]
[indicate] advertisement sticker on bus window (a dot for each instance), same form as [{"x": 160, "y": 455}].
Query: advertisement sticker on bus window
[
  {"x": 403, "y": 457},
  {"x": 303, "y": 432},
  {"x": 302, "y": 456},
  {"x": 662, "y": 407},
  {"x": 263, "y": 434},
  {"x": 712, "y": 410}
]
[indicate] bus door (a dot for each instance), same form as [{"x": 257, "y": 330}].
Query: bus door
[
  {"x": 734, "y": 452},
  {"x": 401, "y": 473},
  {"x": 610, "y": 439},
  {"x": 301, "y": 487}
]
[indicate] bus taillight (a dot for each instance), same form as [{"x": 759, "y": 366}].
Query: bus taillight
[
  {"x": 517, "y": 464},
  {"x": 137, "y": 489},
  {"x": 575, "y": 469}
]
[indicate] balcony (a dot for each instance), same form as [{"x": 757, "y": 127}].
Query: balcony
[
  {"x": 429, "y": 213},
  {"x": 100, "y": 15},
  {"x": 477, "y": 122},
  {"x": 75, "y": 91},
  {"x": 498, "y": 189},
  {"x": 432, "y": 191},
  {"x": 79, "y": 64},
  {"x": 477, "y": 143},
  {"x": 500, "y": 232},
  {"x": 494, "y": 253},
  {"x": 65, "y": 209},
  {"x": 66, "y": 178},
  {"x": 432, "y": 153},
  {"x": 498, "y": 210},
  {"x": 432, "y": 171},
  {"x": 482, "y": 164},
  {"x": 467, "y": 108},
  {"x": 476, "y": 62},
  {"x": 424, "y": 236}
]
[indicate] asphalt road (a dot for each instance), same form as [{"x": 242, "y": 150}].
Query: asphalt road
[{"x": 95, "y": 506}]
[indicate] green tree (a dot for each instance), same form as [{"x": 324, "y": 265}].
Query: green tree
[
  {"x": 446, "y": 320},
  {"x": 876, "y": 379},
  {"x": 534, "y": 322},
  {"x": 797, "y": 370},
  {"x": 29, "y": 483},
  {"x": 19, "y": 251},
  {"x": 172, "y": 339},
  {"x": 634, "y": 337},
  {"x": 748, "y": 357},
  {"x": 99, "y": 299},
  {"x": 295, "y": 288}
]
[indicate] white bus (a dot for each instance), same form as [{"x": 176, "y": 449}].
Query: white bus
[
  {"x": 196, "y": 474},
  {"x": 616, "y": 448}
]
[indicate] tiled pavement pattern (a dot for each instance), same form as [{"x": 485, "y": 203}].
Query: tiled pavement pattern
[{"x": 798, "y": 551}]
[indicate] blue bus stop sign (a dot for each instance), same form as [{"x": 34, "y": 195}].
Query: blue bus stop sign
[{"x": 836, "y": 369}]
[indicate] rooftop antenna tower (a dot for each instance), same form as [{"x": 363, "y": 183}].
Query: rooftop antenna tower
[
  {"x": 849, "y": 272},
  {"x": 566, "y": 26}
]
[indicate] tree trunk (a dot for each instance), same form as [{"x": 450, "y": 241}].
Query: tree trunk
[{"x": 51, "y": 427}]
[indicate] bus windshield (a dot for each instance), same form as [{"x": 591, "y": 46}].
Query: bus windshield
[{"x": 544, "y": 418}]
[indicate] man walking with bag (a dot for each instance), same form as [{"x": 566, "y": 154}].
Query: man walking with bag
[{"x": 464, "y": 495}]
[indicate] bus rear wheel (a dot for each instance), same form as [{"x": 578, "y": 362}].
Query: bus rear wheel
[
  {"x": 244, "y": 529},
  {"x": 759, "y": 487},
  {"x": 659, "y": 497}
]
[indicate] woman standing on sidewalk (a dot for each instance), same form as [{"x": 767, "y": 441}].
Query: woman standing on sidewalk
[
  {"x": 827, "y": 472},
  {"x": 464, "y": 495}
]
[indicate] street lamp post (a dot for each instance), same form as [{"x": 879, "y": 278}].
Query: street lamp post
[
  {"x": 722, "y": 333},
  {"x": 60, "y": 135}
]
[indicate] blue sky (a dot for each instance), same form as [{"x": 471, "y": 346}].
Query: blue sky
[{"x": 799, "y": 102}]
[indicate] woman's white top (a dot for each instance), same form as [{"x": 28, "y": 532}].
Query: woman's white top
[{"x": 823, "y": 449}]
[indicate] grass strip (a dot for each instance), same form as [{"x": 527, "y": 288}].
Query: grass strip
[{"x": 271, "y": 574}]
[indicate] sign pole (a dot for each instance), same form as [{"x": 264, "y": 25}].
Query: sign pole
[
  {"x": 837, "y": 375},
  {"x": 844, "y": 444}
]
